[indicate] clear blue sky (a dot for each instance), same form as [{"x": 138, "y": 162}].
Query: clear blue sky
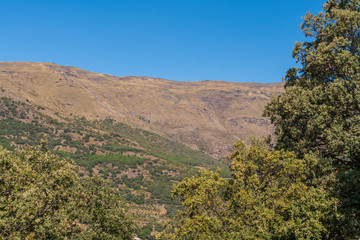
[{"x": 185, "y": 40}]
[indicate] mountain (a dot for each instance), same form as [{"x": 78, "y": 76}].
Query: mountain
[
  {"x": 142, "y": 164},
  {"x": 142, "y": 134},
  {"x": 208, "y": 116}
]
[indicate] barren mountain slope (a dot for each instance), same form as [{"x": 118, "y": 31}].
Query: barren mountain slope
[{"x": 206, "y": 115}]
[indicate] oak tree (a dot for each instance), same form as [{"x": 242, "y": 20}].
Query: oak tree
[
  {"x": 270, "y": 196},
  {"x": 42, "y": 197},
  {"x": 320, "y": 109}
]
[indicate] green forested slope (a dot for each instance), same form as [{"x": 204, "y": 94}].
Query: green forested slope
[{"x": 143, "y": 165}]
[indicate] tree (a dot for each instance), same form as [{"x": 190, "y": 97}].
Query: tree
[
  {"x": 42, "y": 197},
  {"x": 320, "y": 109},
  {"x": 270, "y": 196}
]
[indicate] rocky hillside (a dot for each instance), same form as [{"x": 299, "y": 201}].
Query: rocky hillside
[{"x": 208, "y": 115}]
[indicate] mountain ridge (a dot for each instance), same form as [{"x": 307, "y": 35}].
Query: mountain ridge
[{"x": 206, "y": 115}]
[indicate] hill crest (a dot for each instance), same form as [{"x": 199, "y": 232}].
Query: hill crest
[{"x": 206, "y": 115}]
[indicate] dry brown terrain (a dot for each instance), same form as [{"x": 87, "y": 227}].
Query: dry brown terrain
[{"x": 207, "y": 115}]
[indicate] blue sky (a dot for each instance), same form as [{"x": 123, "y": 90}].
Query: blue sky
[{"x": 183, "y": 40}]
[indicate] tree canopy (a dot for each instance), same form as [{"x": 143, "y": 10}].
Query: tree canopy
[
  {"x": 320, "y": 109},
  {"x": 268, "y": 197},
  {"x": 42, "y": 197}
]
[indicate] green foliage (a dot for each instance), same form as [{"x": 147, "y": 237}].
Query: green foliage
[
  {"x": 43, "y": 198},
  {"x": 270, "y": 196},
  {"x": 122, "y": 161},
  {"x": 112, "y": 147},
  {"x": 141, "y": 164},
  {"x": 157, "y": 145},
  {"x": 320, "y": 109},
  {"x": 145, "y": 231},
  {"x": 103, "y": 211}
]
